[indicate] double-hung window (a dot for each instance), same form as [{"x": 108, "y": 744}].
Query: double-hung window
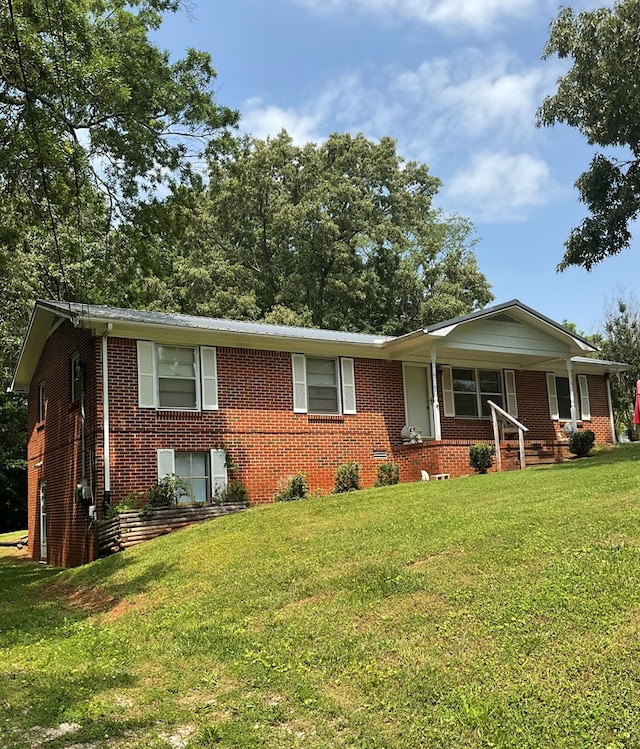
[
  {"x": 203, "y": 473},
  {"x": 193, "y": 469},
  {"x": 559, "y": 394},
  {"x": 323, "y": 385},
  {"x": 181, "y": 378},
  {"x": 177, "y": 377},
  {"x": 466, "y": 391},
  {"x": 472, "y": 388},
  {"x": 42, "y": 402}
]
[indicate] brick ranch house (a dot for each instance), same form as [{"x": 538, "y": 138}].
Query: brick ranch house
[{"x": 119, "y": 398}]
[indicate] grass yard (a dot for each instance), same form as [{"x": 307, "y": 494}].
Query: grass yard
[{"x": 491, "y": 611}]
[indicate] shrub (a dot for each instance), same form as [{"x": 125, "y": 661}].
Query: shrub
[
  {"x": 234, "y": 493},
  {"x": 167, "y": 492},
  {"x": 132, "y": 501},
  {"x": 347, "y": 478},
  {"x": 295, "y": 487},
  {"x": 388, "y": 474},
  {"x": 481, "y": 457},
  {"x": 581, "y": 443}
]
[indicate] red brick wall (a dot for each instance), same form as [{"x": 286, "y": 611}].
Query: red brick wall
[
  {"x": 55, "y": 443},
  {"x": 255, "y": 423},
  {"x": 533, "y": 412}
]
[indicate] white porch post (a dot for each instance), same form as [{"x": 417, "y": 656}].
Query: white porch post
[
  {"x": 572, "y": 397},
  {"x": 437, "y": 429}
]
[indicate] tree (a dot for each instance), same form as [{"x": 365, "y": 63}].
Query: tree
[
  {"x": 93, "y": 119},
  {"x": 13, "y": 476},
  {"x": 598, "y": 96},
  {"x": 621, "y": 342},
  {"x": 341, "y": 234}
]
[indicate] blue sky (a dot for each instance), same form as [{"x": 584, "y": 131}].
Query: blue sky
[{"x": 457, "y": 84}]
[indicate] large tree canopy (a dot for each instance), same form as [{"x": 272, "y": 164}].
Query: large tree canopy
[
  {"x": 342, "y": 234},
  {"x": 93, "y": 118},
  {"x": 599, "y": 97},
  {"x": 84, "y": 94}
]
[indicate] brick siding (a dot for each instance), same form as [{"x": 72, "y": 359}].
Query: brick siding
[{"x": 255, "y": 422}]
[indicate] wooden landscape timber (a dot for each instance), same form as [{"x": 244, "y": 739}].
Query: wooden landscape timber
[{"x": 135, "y": 526}]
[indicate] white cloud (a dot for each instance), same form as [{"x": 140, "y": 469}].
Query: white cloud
[
  {"x": 477, "y": 92},
  {"x": 464, "y": 117},
  {"x": 263, "y": 120},
  {"x": 479, "y": 15},
  {"x": 440, "y": 103},
  {"x": 499, "y": 186}
]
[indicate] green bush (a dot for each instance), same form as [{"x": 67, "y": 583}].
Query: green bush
[
  {"x": 234, "y": 493},
  {"x": 481, "y": 457},
  {"x": 296, "y": 487},
  {"x": 581, "y": 443},
  {"x": 388, "y": 474},
  {"x": 347, "y": 478},
  {"x": 132, "y": 501},
  {"x": 167, "y": 492}
]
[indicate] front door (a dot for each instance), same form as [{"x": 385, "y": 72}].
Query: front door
[
  {"x": 43, "y": 522},
  {"x": 417, "y": 398}
]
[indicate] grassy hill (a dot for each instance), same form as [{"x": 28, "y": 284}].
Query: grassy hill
[{"x": 491, "y": 611}]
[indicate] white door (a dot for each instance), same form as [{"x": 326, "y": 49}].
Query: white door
[
  {"x": 417, "y": 398},
  {"x": 43, "y": 521}
]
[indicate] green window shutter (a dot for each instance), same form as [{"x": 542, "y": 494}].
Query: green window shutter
[
  {"x": 166, "y": 463},
  {"x": 146, "y": 374},
  {"x": 553, "y": 396},
  {"x": 219, "y": 475},
  {"x": 348, "y": 387},
  {"x": 209, "y": 375},
  {"x": 447, "y": 392},
  {"x": 299, "y": 383},
  {"x": 510, "y": 386},
  {"x": 585, "y": 406}
]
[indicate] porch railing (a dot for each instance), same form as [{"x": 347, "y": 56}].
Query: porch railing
[{"x": 499, "y": 413}]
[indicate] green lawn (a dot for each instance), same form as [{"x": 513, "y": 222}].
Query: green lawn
[{"x": 490, "y": 611}]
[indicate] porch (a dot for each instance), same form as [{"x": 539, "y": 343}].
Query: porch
[{"x": 452, "y": 456}]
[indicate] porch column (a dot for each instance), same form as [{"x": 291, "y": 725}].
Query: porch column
[
  {"x": 437, "y": 429},
  {"x": 572, "y": 397}
]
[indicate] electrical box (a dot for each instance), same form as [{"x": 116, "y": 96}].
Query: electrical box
[{"x": 84, "y": 494}]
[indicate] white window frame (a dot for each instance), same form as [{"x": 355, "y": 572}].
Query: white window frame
[
  {"x": 193, "y": 477},
  {"x": 195, "y": 379},
  {"x": 583, "y": 405},
  {"x": 345, "y": 385},
  {"x": 450, "y": 393},
  {"x": 42, "y": 403},
  {"x": 42, "y": 497},
  {"x": 218, "y": 477},
  {"x": 206, "y": 377}
]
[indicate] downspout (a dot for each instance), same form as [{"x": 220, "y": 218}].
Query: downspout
[
  {"x": 614, "y": 436},
  {"x": 105, "y": 420},
  {"x": 83, "y": 426},
  {"x": 572, "y": 397},
  {"x": 437, "y": 428}
]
